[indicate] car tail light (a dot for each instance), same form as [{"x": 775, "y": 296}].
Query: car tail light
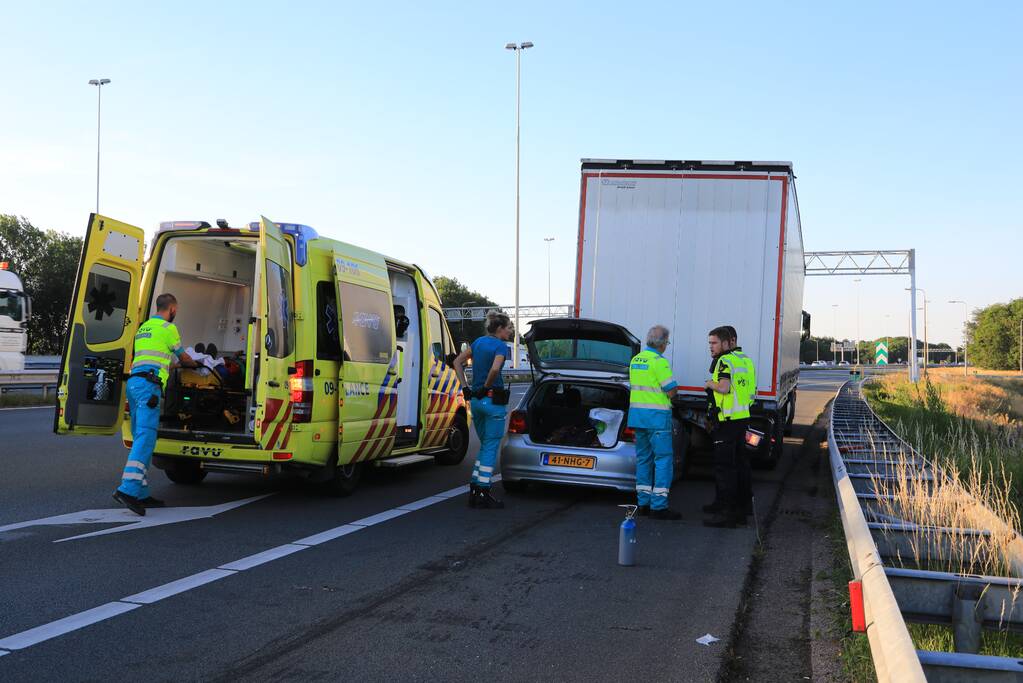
[
  {"x": 628, "y": 434},
  {"x": 282, "y": 456},
  {"x": 301, "y": 386},
  {"x": 517, "y": 422},
  {"x": 753, "y": 438},
  {"x": 126, "y": 442}
]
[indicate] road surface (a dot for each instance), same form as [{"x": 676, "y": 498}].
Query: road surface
[{"x": 422, "y": 588}]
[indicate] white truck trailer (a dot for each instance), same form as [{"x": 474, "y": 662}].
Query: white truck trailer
[
  {"x": 693, "y": 245},
  {"x": 14, "y": 314}
]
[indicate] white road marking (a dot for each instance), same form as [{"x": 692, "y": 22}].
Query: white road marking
[
  {"x": 26, "y": 408},
  {"x": 129, "y": 520},
  {"x": 4, "y": 652},
  {"x": 329, "y": 535},
  {"x": 263, "y": 557},
  {"x": 380, "y": 517},
  {"x": 58, "y": 628},
  {"x": 180, "y": 586},
  {"x": 112, "y": 609}
]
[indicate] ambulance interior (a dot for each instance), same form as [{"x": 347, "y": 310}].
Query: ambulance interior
[
  {"x": 212, "y": 279},
  {"x": 408, "y": 334}
]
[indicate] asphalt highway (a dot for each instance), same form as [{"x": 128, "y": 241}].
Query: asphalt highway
[{"x": 254, "y": 579}]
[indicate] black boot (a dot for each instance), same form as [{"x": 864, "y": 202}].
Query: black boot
[
  {"x": 150, "y": 502},
  {"x": 727, "y": 518},
  {"x": 486, "y": 500},
  {"x": 474, "y": 495},
  {"x": 643, "y": 510},
  {"x": 716, "y": 506},
  {"x": 666, "y": 513},
  {"x": 130, "y": 502}
]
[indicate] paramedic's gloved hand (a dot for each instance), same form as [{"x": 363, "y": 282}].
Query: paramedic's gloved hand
[
  {"x": 186, "y": 361},
  {"x": 467, "y": 393}
]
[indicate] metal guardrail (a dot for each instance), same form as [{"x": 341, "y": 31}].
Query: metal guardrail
[
  {"x": 864, "y": 449},
  {"x": 23, "y": 381}
]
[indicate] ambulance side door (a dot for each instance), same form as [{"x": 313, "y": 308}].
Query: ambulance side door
[
  {"x": 367, "y": 385},
  {"x": 275, "y": 311},
  {"x": 101, "y": 330}
]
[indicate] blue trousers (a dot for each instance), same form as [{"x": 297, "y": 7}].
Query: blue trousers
[
  {"x": 488, "y": 420},
  {"x": 654, "y": 464},
  {"x": 144, "y": 423}
]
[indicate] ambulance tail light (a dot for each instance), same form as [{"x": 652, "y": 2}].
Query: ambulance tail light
[
  {"x": 517, "y": 422},
  {"x": 629, "y": 434},
  {"x": 301, "y": 386}
]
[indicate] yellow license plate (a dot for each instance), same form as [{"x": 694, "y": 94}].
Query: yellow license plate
[{"x": 583, "y": 462}]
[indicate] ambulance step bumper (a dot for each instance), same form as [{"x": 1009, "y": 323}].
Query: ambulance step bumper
[
  {"x": 404, "y": 461},
  {"x": 246, "y": 467}
]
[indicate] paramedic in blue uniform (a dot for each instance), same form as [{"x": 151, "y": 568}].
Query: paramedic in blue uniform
[
  {"x": 489, "y": 402},
  {"x": 157, "y": 344}
]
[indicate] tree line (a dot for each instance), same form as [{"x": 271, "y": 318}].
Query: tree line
[
  {"x": 47, "y": 262},
  {"x": 993, "y": 334}
]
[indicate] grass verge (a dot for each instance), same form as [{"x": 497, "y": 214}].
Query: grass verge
[{"x": 12, "y": 400}]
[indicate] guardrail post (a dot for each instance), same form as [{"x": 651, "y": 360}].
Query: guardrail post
[{"x": 967, "y": 617}]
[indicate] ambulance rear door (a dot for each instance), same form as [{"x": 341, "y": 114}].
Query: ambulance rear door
[
  {"x": 275, "y": 344},
  {"x": 101, "y": 329},
  {"x": 368, "y": 383}
]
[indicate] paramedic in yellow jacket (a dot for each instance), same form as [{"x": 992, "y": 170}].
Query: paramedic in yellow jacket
[{"x": 157, "y": 343}]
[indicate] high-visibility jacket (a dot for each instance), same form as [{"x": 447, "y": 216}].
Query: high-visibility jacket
[
  {"x": 156, "y": 344},
  {"x": 738, "y": 368},
  {"x": 650, "y": 379}
]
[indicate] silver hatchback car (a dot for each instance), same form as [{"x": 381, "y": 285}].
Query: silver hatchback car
[{"x": 570, "y": 426}]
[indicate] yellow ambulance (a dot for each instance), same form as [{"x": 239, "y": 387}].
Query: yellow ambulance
[{"x": 319, "y": 358}]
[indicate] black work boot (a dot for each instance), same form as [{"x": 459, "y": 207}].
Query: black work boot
[
  {"x": 487, "y": 500},
  {"x": 150, "y": 502},
  {"x": 130, "y": 502},
  {"x": 716, "y": 506},
  {"x": 474, "y": 495},
  {"x": 643, "y": 510},
  {"x": 666, "y": 513},
  {"x": 723, "y": 519}
]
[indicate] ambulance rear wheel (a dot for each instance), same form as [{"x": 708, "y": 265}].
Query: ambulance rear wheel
[
  {"x": 458, "y": 442},
  {"x": 185, "y": 472},
  {"x": 345, "y": 480}
]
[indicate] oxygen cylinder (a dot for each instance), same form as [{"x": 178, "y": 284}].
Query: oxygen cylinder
[{"x": 627, "y": 538}]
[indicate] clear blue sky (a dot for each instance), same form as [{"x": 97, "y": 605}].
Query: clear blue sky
[{"x": 392, "y": 126}]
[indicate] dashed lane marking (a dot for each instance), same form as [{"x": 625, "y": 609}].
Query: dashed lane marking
[{"x": 39, "y": 634}]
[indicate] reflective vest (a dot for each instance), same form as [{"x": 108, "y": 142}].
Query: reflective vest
[
  {"x": 736, "y": 403},
  {"x": 156, "y": 344},
  {"x": 649, "y": 381}
]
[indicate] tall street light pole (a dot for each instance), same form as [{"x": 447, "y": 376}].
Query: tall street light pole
[
  {"x": 966, "y": 320},
  {"x": 548, "y": 240},
  {"x": 99, "y": 83},
  {"x": 518, "y": 49}
]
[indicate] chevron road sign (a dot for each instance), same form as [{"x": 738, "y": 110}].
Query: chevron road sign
[{"x": 881, "y": 353}]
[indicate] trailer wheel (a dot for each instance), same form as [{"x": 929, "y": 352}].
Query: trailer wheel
[
  {"x": 458, "y": 442},
  {"x": 345, "y": 480},
  {"x": 790, "y": 408},
  {"x": 185, "y": 472}
]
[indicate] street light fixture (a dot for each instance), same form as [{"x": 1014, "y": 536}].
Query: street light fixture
[
  {"x": 966, "y": 320},
  {"x": 517, "y": 49},
  {"x": 99, "y": 83}
]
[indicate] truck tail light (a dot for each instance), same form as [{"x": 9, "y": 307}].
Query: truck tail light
[
  {"x": 629, "y": 434},
  {"x": 517, "y": 422},
  {"x": 753, "y": 438},
  {"x": 301, "y": 386}
]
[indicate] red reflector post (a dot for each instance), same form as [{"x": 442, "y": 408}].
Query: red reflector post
[
  {"x": 517, "y": 422},
  {"x": 859, "y": 618},
  {"x": 282, "y": 456}
]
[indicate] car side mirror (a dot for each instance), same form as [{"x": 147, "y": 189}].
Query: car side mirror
[{"x": 464, "y": 347}]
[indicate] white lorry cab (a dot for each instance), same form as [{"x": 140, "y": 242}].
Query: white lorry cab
[{"x": 15, "y": 310}]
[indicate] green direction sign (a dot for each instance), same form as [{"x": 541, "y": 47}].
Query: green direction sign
[{"x": 881, "y": 353}]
